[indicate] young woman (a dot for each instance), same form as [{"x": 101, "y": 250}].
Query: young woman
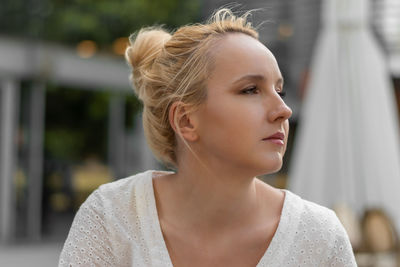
[{"x": 213, "y": 111}]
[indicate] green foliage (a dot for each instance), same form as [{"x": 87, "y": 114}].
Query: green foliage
[
  {"x": 76, "y": 123},
  {"x": 76, "y": 120},
  {"x": 63, "y": 143},
  {"x": 70, "y": 21}
]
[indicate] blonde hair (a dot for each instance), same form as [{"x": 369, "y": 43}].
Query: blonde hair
[{"x": 174, "y": 67}]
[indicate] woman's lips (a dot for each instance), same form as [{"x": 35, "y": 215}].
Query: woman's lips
[
  {"x": 275, "y": 141},
  {"x": 277, "y": 138}
]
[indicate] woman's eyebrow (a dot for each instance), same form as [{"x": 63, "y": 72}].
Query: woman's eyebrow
[
  {"x": 250, "y": 77},
  {"x": 257, "y": 77}
]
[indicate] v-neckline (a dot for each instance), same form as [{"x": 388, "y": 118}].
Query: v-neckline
[{"x": 163, "y": 253}]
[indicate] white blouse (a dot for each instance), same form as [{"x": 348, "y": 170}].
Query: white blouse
[{"x": 118, "y": 226}]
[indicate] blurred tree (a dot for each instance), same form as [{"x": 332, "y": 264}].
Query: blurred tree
[
  {"x": 76, "y": 120},
  {"x": 76, "y": 123},
  {"x": 70, "y": 21}
]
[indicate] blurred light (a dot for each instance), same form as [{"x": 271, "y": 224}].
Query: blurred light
[
  {"x": 119, "y": 45},
  {"x": 59, "y": 202},
  {"x": 285, "y": 31},
  {"x": 86, "y": 48}
]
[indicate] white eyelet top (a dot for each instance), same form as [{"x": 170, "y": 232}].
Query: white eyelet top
[{"x": 118, "y": 226}]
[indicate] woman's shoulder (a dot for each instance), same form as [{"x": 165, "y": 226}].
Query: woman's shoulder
[
  {"x": 125, "y": 186},
  {"x": 122, "y": 194},
  {"x": 315, "y": 218},
  {"x": 311, "y": 211},
  {"x": 310, "y": 234},
  {"x": 108, "y": 224},
  {"x": 317, "y": 231},
  {"x": 318, "y": 222}
]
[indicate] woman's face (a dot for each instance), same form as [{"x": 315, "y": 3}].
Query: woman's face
[{"x": 244, "y": 108}]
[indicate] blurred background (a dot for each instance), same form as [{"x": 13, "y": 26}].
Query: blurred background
[{"x": 69, "y": 120}]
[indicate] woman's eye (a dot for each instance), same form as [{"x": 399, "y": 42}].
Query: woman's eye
[
  {"x": 250, "y": 91},
  {"x": 282, "y": 94}
]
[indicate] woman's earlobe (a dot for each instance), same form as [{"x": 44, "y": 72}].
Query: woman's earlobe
[{"x": 181, "y": 121}]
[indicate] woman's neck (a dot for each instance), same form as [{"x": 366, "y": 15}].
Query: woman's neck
[{"x": 196, "y": 198}]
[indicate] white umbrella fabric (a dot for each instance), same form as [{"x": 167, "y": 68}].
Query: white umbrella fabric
[{"x": 347, "y": 145}]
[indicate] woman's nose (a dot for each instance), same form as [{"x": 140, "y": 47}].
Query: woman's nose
[{"x": 279, "y": 110}]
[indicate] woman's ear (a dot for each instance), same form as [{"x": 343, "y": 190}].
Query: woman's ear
[{"x": 182, "y": 121}]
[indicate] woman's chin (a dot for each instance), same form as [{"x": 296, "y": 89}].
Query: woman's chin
[{"x": 272, "y": 166}]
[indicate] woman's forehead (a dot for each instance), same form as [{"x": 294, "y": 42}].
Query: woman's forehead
[
  {"x": 240, "y": 42},
  {"x": 238, "y": 55}
]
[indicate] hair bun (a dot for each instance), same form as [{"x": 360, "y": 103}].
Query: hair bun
[{"x": 144, "y": 48}]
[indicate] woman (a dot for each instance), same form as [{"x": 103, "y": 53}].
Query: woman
[{"x": 213, "y": 111}]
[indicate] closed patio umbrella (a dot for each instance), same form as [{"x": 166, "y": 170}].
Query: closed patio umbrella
[{"x": 347, "y": 145}]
